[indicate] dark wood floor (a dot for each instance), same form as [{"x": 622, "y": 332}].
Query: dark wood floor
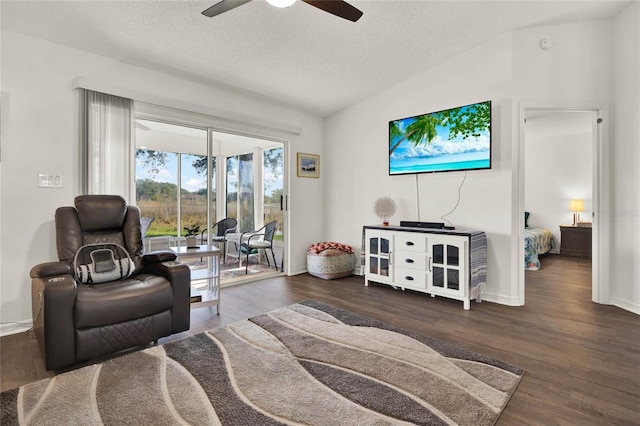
[{"x": 582, "y": 360}]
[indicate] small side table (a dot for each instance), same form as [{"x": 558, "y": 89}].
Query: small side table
[
  {"x": 575, "y": 240},
  {"x": 209, "y": 295}
]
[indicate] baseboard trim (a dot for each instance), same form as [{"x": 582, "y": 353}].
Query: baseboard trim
[
  {"x": 498, "y": 298},
  {"x": 15, "y": 327},
  {"x": 298, "y": 271},
  {"x": 626, "y": 305}
]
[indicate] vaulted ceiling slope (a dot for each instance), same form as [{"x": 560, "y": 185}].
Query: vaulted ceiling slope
[{"x": 299, "y": 56}]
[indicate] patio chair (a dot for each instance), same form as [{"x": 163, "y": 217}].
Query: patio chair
[
  {"x": 222, "y": 229},
  {"x": 260, "y": 239}
]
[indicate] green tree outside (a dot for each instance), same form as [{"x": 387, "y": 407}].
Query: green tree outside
[{"x": 465, "y": 121}]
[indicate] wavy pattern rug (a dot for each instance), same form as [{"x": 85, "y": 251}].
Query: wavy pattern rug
[{"x": 308, "y": 363}]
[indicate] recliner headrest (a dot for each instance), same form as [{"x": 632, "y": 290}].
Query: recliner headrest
[{"x": 101, "y": 212}]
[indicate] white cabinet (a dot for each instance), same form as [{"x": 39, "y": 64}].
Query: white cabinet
[{"x": 430, "y": 261}]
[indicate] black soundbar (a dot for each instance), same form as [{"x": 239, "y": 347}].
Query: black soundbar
[{"x": 432, "y": 225}]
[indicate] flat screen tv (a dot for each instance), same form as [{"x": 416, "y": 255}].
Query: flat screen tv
[{"x": 449, "y": 140}]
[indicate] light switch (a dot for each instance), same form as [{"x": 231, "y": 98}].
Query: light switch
[
  {"x": 49, "y": 181},
  {"x": 43, "y": 180}
]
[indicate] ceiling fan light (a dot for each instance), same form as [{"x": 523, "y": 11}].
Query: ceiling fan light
[{"x": 281, "y": 3}]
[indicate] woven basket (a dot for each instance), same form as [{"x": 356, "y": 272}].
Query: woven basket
[{"x": 330, "y": 264}]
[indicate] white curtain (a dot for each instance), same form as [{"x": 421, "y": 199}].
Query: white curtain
[{"x": 108, "y": 145}]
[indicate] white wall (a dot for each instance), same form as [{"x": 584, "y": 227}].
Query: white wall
[
  {"x": 356, "y": 166},
  {"x": 558, "y": 162},
  {"x": 575, "y": 71},
  {"x": 40, "y": 134},
  {"x": 625, "y": 213}
]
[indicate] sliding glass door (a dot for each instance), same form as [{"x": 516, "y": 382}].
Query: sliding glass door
[
  {"x": 254, "y": 184},
  {"x": 189, "y": 177}
]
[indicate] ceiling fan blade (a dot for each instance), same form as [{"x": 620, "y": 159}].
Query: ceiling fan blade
[
  {"x": 223, "y": 6},
  {"x": 337, "y": 7}
]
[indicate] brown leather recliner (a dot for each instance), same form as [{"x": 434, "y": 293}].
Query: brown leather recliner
[{"x": 75, "y": 322}]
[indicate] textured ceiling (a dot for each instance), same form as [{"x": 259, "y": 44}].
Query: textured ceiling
[{"x": 299, "y": 56}]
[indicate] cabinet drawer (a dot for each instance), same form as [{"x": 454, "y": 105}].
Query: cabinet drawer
[
  {"x": 576, "y": 240},
  {"x": 411, "y": 242},
  {"x": 410, "y": 260},
  {"x": 410, "y": 278}
]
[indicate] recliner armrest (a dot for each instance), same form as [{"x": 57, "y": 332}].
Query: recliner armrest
[
  {"x": 51, "y": 269},
  {"x": 172, "y": 269},
  {"x": 52, "y": 302},
  {"x": 179, "y": 275},
  {"x": 159, "y": 256}
]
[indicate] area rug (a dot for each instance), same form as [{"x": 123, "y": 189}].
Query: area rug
[{"x": 308, "y": 363}]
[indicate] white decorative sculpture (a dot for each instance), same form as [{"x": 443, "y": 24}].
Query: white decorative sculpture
[{"x": 385, "y": 208}]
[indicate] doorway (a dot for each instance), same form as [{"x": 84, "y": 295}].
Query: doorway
[{"x": 561, "y": 165}]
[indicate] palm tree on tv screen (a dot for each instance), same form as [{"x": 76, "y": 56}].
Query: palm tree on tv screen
[{"x": 465, "y": 121}]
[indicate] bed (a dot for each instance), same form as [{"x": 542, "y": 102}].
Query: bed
[{"x": 537, "y": 241}]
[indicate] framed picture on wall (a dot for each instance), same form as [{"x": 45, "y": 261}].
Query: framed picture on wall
[{"x": 308, "y": 165}]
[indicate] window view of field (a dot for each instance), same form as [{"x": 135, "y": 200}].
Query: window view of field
[
  {"x": 157, "y": 190},
  {"x": 164, "y": 211}
]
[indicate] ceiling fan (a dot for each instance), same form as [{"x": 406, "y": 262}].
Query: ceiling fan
[{"x": 335, "y": 7}]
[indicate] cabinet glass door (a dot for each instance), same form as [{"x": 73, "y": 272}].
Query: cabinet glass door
[
  {"x": 378, "y": 260},
  {"x": 445, "y": 264}
]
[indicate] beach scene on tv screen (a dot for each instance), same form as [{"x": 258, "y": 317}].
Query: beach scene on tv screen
[{"x": 454, "y": 139}]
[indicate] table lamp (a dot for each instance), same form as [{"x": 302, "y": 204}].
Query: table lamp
[{"x": 576, "y": 206}]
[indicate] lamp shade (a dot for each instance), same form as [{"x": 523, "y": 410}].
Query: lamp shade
[{"x": 576, "y": 206}]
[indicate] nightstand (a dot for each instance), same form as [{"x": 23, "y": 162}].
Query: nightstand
[{"x": 575, "y": 240}]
